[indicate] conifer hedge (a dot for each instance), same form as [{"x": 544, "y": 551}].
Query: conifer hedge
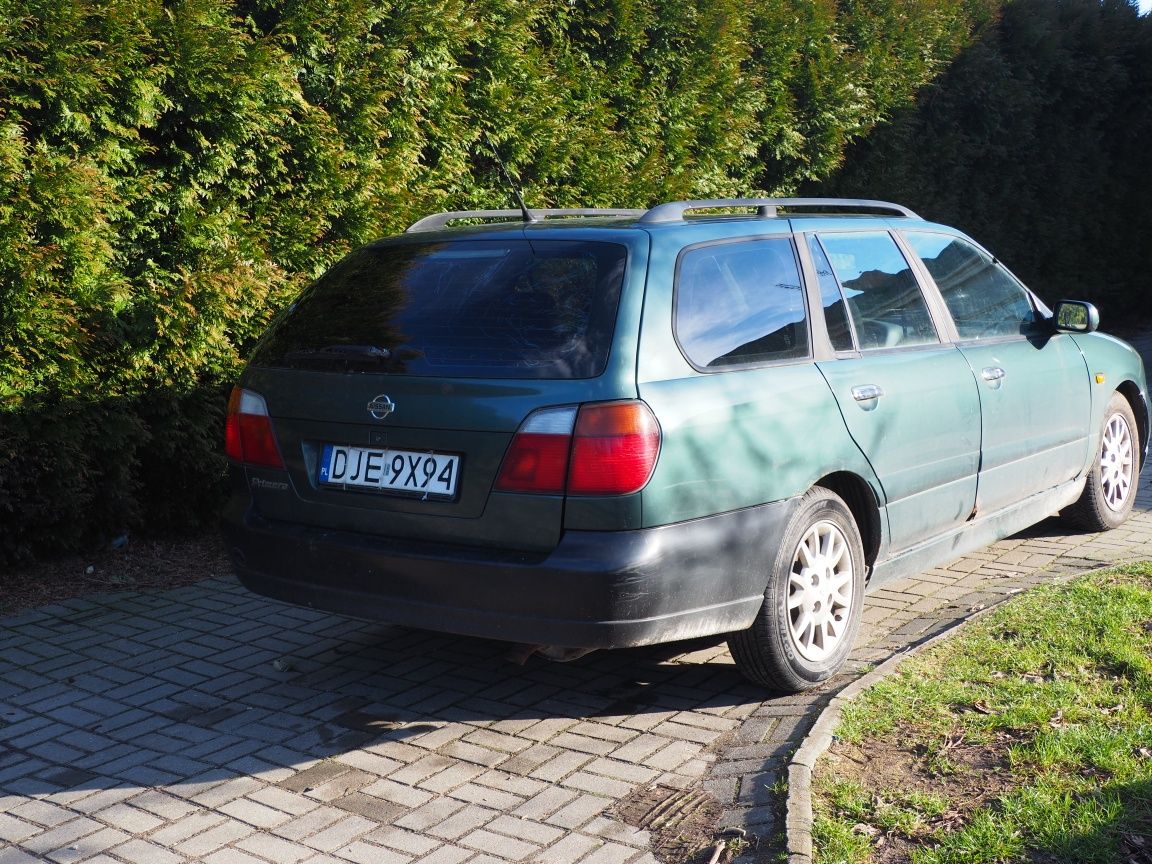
[
  {"x": 173, "y": 171},
  {"x": 1037, "y": 141}
]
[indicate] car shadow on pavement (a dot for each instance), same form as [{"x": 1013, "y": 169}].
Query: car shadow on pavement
[
  {"x": 187, "y": 688},
  {"x": 391, "y": 683},
  {"x": 1051, "y": 527}
]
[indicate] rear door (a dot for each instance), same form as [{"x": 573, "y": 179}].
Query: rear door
[
  {"x": 397, "y": 380},
  {"x": 1035, "y": 395},
  {"x": 907, "y": 398}
]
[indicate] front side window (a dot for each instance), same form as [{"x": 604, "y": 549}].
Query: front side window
[
  {"x": 984, "y": 299},
  {"x": 740, "y": 303},
  {"x": 884, "y": 299}
]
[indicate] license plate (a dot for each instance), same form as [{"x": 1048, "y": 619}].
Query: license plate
[{"x": 431, "y": 475}]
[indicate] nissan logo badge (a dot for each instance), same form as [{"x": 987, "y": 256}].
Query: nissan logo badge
[{"x": 381, "y": 407}]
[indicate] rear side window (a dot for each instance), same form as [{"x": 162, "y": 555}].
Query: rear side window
[
  {"x": 740, "y": 303},
  {"x": 472, "y": 309},
  {"x": 984, "y": 299},
  {"x": 884, "y": 298}
]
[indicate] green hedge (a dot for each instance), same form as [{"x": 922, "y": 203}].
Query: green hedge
[
  {"x": 171, "y": 173},
  {"x": 1038, "y": 142}
]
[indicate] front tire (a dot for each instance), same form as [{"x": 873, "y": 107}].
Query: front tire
[
  {"x": 1111, "y": 486},
  {"x": 806, "y": 628}
]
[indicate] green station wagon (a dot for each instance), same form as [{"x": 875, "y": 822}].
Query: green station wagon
[{"x": 583, "y": 429}]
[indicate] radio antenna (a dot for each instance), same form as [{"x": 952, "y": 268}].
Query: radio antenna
[{"x": 508, "y": 179}]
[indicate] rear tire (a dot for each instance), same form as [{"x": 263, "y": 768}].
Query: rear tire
[
  {"x": 1111, "y": 486},
  {"x": 805, "y": 630}
]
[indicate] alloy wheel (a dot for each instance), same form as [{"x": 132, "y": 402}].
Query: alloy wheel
[
  {"x": 1116, "y": 462},
  {"x": 820, "y": 591}
]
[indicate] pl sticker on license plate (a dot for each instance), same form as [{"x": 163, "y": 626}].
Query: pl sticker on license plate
[{"x": 406, "y": 471}]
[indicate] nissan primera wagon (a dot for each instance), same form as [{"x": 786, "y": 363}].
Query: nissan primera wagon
[{"x": 593, "y": 429}]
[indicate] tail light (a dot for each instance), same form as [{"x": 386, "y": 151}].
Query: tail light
[
  {"x": 605, "y": 448},
  {"x": 248, "y": 434},
  {"x": 614, "y": 449}
]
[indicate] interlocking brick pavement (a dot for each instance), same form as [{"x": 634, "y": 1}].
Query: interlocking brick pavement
[{"x": 205, "y": 724}]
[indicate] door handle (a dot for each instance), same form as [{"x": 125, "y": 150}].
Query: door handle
[
  {"x": 992, "y": 373},
  {"x": 867, "y": 392}
]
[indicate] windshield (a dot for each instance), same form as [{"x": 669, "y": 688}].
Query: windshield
[{"x": 489, "y": 309}]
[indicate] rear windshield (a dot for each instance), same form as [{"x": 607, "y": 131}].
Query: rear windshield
[{"x": 473, "y": 309}]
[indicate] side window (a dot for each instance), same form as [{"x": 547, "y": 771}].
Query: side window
[
  {"x": 982, "y": 296},
  {"x": 884, "y": 299},
  {"x": 740, "y": 303},
  {"x": 835, "y": 306}
]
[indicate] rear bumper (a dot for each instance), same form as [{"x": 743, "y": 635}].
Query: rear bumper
[{"x": 596, "y": 589}]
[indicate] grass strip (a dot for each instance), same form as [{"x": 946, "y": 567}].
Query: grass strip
[{"x": 1026, "y": 738}]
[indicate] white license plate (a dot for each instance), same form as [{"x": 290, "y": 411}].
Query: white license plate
[{"x": 385, "y": 470}]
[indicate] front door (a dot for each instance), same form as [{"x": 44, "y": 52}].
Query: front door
[{"x": 1034, "y": 389}]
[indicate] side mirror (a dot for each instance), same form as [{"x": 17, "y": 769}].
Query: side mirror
[{"x": 1076, "y": 316}]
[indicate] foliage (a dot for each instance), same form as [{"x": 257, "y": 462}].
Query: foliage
[
  {"x": 1035, "y": 142},
  {"x": 173, "y": 171}
]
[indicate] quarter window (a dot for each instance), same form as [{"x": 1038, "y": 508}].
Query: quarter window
[
  {"x": 884, "y": 299},
  {"x": 835, "y": 307},
  {"x": 984, "y": 299},
  {"x": 740, "y": 303}
]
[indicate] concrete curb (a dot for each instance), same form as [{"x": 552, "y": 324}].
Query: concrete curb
[{"x": 798, "y": 814}]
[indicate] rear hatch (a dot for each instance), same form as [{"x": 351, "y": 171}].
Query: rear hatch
[{"x": 396, "y": 382}]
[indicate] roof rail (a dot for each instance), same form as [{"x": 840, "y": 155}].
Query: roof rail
[
  {"x": 440, "y": 220},
  {"x": 767, "y": 207}
]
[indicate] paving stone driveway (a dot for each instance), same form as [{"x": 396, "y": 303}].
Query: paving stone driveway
[{"x": 207, "y": 724}]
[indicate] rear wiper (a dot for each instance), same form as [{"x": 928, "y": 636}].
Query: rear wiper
[{"x": 340, "y": 353}]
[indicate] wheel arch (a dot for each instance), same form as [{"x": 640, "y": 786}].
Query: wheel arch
[
  {"x": 861, "y": 501},
  {"x": 1131, "y": 391}
]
